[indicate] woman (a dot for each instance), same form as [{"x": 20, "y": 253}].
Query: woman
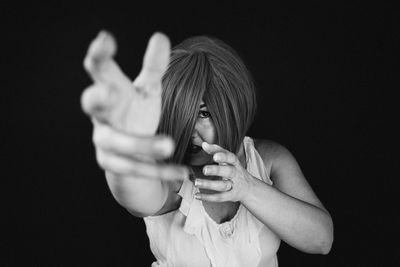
[{"x": 193, "y": 106}]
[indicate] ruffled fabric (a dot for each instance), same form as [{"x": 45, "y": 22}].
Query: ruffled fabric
[
  {"x": 190, "y": 237},
  {"x": 221, "y": 242},
  {"x": 190, "y": 207}
]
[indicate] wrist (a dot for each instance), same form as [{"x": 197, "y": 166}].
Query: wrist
[{"x": 251, "y": 184}]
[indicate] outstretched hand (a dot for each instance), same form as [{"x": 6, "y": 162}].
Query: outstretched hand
[
  {"x": 126, "y": 114},
  {"x": 133, "y": 108}
]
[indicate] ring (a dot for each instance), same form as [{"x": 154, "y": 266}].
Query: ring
[{"x": 231, "y": 183}]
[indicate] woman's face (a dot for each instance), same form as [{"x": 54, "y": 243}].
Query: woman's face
[{"x": 204, "y": 131}]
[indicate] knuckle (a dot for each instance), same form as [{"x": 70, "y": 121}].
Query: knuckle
[
  {"x": 101, "y": 159},
  {"x": 100, "y": 135},
  {"x": 85, "y": 100},
  {"x": 88, "y": 63},
  {"x": 96, "y": 138}
]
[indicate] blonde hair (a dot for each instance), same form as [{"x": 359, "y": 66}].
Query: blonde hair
[{"x": 205, "y": 68}]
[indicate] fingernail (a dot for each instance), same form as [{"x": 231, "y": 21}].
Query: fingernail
[
  {"x": 106, "y": 42},
  {"x": 206, "y": 170},
  {"x": 197, "y": 182},
  {"x": 217, "y": 157},
  {"x": 197, "y": 196}
]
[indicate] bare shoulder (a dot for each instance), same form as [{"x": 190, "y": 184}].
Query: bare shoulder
[
  {"x": 270, "y": 150},
  {"x": 274, "y": 154},
  {"x": 285, "y": 172}
]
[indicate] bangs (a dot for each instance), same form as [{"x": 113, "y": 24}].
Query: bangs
[
  {"x": 205, "y": 68},
  {"x": 184, "y": 85},
  {"x": 227, "y": 104}
]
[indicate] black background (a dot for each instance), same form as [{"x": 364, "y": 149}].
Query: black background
[{"x": 325, "y": 77}]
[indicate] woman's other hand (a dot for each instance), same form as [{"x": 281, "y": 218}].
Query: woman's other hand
[{"x": 235, "y": 179}]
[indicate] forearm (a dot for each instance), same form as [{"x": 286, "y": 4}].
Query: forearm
[
  {"x": 141, "y": 196},
  {"x": 300, "y": 224}
]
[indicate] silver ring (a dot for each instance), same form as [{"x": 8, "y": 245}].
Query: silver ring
[{"x": 231, "y": 183}]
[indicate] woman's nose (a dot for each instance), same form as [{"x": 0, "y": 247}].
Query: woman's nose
[{"x": 195, "y": 134}]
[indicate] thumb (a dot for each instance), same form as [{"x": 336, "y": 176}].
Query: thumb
[{"x": 155, "y": 61}]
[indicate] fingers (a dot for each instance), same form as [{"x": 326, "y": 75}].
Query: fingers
[
  {"x": 103, "y": 47},
  {"x": 134, "y": 147},
  {"x": 211, "y": 148},
  {"x": 226, "y": 157},
  {"x": 220, "y": 155},
  {"x": 124, "y": 166},
  {"x": 156, "y": 57},
  {"x": 100, "y": 65},
  {"x": 155, "y": 63},
  {"x": 215, "y": 185},
  {"x": 225, "y": 171},
  {"x": 96, "y": 100},
  {"x": 125, "y": 154},
  {"x": 219, "y": 197}
]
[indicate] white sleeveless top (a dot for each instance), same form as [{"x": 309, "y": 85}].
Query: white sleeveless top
[{"x": 188, "y": 236}]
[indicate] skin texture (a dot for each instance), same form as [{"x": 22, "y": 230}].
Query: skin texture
[
  {"x": 204, "y": 131},
  {"x": 125, "y": 116},
  {"x": 290, "y": 208}
]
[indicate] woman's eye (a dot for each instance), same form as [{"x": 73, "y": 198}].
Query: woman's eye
[{"x": 204, "y": 114}]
